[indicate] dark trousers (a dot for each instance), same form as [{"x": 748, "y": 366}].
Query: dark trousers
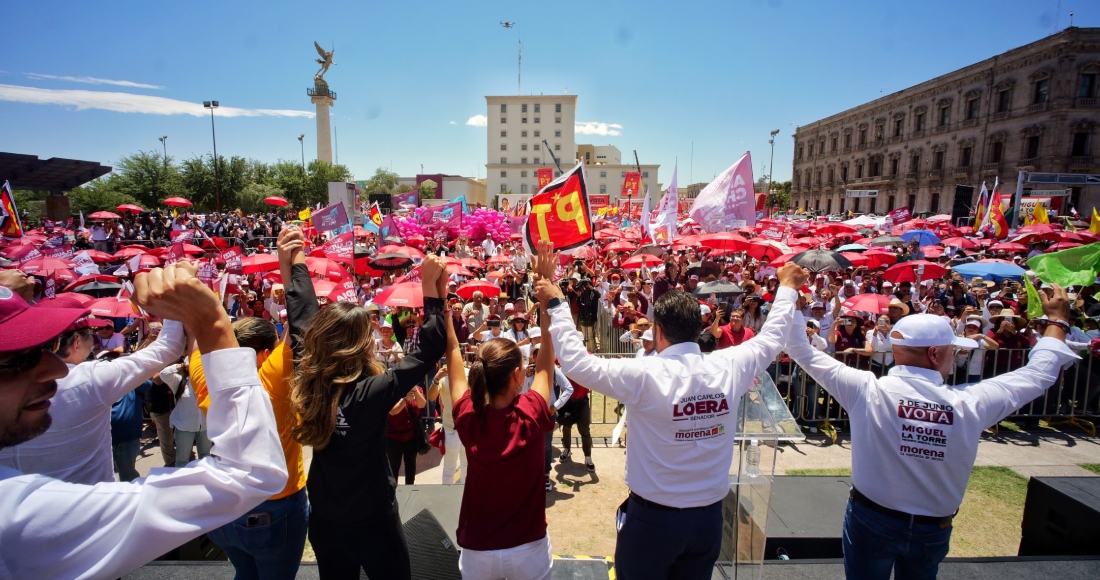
[
  {"x": 270, "y": 551},
  {"x": 376, "y": 544},
  {"x": 661, "y": 543},
  {"x": 398, "y": 450},
  {"x": 576, "y": 412},
  {"x": 875, "y": 544}
]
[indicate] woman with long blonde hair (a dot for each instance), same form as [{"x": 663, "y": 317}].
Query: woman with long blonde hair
[{"x": 343, "y": 396}]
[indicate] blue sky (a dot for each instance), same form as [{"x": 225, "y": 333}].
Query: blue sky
[{"x": 713, "y": 77}]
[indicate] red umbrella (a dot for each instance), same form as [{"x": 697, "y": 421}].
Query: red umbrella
[
  {"x": 323, "y": 287},
  {"x": 129, "y": 252},
  {"x": 104, "y": 215},
  {"x": 1036, "y": 229},
  {"x": 836, "y": 229},
  {"x": 932, "y": 251},
  {"x": 472, "y": 263},
  {"x": 623, "y": 246},
  {"x": 326, "y": 268},
  {"x": 608, "y": 234},
  {"x": 147, "y": 261},
  {"x": 407, "y": 294},
  {"x": 276, "y": 200},
  {"x": 879, "y": 258},
  {"x": 964, "y": 243},
  {"x": 779, "y": 261},
  {"x": 362, "y": 267},
  {"x": 43, "y": 266},
  {"x": 1063, "y": 246},
  {"x": 761, "y": 249},
  {"x": 129, "y": 208},
  {"x": 177, "y": 202},
  {"x": 411, "y": 253},
  {"x": 259, "y": 263},
  {"x": 874, "y": 303},
  {"x": 83, "y": 299},
  {"x": 98, "y": 256},
  {"x": 907, "y": 271},
  {"x": 466, "y": 291},
  {"x": 726, "y": 241},
  {"x": 499, "y": 259},
  {"x": 91, "y": 278},
  {"x": 585, "y": 253},
  {"x": 856, "y": 259},
  {"x": 1008, "y": 247},
  {"x": 642, "y": 260},
  {"x": 459, "y": 269},
  {"x": 113, "y": 307}
]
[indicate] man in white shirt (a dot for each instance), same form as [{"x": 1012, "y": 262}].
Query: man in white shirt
[
  {"x": 52, "y": 529},
  {"x": 684, "y": 408},
  {"x": 923, "y": 433}
]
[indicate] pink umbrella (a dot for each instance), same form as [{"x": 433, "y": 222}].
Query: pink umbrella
[
  {"x": 276, "y": 200},
  {"x": 407, "y": 294},
  {"x": 957, "y": 242},
  {"x": 874, "y": 303},
  {"x": 259, "y": 263},
  {"x": 619, "y": 247},
  {"x": 411, "y": 253},
  {"x": 761, "y": 249},
  {"x": 459, "y": 269},
  {"x": 323, "y": 287},
  {"x": 129, "y": 252},
  {"x": 907, "y": 271},
  {"x": 43, "y": 266},
  {"x": 98, "y": 256},
  {"x": 104, "y": 215},
  {"x": 129, "y": 208},
  {"x": 177, "y": 202},
  {"x": 326, "y": 268},
  {"x": 932, "y": 251},
  {"x": 113, "y": 307},
  {"x": 1063, "y": 246},
  {"x": 727, "y": 241},
  {"x": 642, "y": 260},
  {"x": 1008, "y": 247},
  {"x": 91, "y": 278}
]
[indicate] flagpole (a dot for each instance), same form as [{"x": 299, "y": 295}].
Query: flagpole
[{"x": 1016, "y": 203}]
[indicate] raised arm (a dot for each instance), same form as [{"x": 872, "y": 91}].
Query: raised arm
[
  {"x": 301, "y": 300},
  {"x": 841, "y": 381},
  {"x": 456, "y": 377},
  {"x": 113, "y": 379},
  {"x": 544, "y": 364}
]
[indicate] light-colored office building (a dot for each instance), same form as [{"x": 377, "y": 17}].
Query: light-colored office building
[{"x": 1034, "y": 108}]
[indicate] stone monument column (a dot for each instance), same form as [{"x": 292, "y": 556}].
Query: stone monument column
[{"x": 323, "y": 98}]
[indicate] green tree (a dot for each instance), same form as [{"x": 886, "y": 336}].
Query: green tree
[
  {"x": 288, "y": 176},
  {"x": 100, "y": 194},
  {"x": 31, "y": 205},
  {"x": 251, "y": 198},
  {"x": 780, "y": 195},
  {"x": 147, "y": 178},
  {"x": 320, "y": 174},
  {"x": 382, "y": 182},
  {"x": 427, "y": 189}
]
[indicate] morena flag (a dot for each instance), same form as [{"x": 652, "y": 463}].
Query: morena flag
[{"x": 559, "y": 213}]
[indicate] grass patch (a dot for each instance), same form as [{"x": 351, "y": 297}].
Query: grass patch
[
  {"x": 1093, "y": 467},
  {"x": 989, "y": 520},
  {"x": 835, "y": 472}
]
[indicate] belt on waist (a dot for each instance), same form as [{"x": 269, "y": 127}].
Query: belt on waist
[
  {"x": 942, "y": 521},
  {"x": 654, "y": 505}
]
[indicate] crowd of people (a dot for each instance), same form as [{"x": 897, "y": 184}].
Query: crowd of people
[{"x": 497, "y": 346}]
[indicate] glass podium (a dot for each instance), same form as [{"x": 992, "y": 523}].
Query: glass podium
[{"x": 764, "y": 420}]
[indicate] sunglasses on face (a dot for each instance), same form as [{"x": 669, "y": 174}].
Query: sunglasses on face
[{"x": 24, "y": 361}]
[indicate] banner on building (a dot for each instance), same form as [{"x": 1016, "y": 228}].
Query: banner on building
[
  {"x": 632, "y": 183},
  {"x": 560, "y": 213},
  {"x": 545, "y": 175},
  {"x": 861, "y": 193},
  {"x": 513, "y": 204}
]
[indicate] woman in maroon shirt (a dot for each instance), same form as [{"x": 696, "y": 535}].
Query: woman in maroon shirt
[
  {"x": 502, "y": 522},
  {"x": 400, "y": 431}
]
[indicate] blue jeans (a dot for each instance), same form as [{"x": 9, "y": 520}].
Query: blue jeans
[
  {"x": 874, "y": 544},
  {"x": 659, "y": 543},
  {"x": 267, "y": 551},
  {"x": 185, "y": 440},
  {"x": 125, "y": 455}
]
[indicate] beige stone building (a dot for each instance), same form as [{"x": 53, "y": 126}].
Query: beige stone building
[{"x": 1034, "y": 108}]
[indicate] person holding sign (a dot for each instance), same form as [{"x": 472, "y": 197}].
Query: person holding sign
[{"x": 683, "y": 413}]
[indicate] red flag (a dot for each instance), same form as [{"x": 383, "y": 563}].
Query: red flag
[
  {"x": 560, "y": 213},
  {"x": 341, "y": 248},
  {"x": 345, "y": 292},
  {"x": 545, "y": 175},
  {"x": 10, "y": 225},
  {"x": 182, "y": 236},
  {"x": 232, "y": 259},
  {"x": 631, "y": 183},
  {"x": 175, "y": 253}
]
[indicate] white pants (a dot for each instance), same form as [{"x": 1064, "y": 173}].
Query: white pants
[
  {"x": 455, "y": 458},
  {"x": 527, "y": 562}
]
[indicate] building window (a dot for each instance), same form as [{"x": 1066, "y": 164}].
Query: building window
[
  {"x": 1080, "y": 144},
  {"x": 503, "y": 120},
  {"x": 503, "y": 146},
  {"x": 945, "y": 115},
  {"x": 503, "y": 133},
  {"x": 537, "y": 108},
  {"x": 834, "y": 145},
  {"x": 912, "y": 203},
  {"x": 919, "y": 124},
  {"x": 536, "y": 161},
  {"x": 821, "y": 148},
  {"x": 817, "y": 205},
  {"x": 504, "y": 161},
  {"x": 855, "y": 205},
  {"x": 1032, "y": 147},
  {"x": 890, "y": 203},
  {"x": 996, "y": 152},
  {"x": 603, "y": 174},
  {"x": 893, "y": 169},
  {"x": 536, "y": 146},
  {"x": 859, "y": 171},
  {"x": 972, "y": 109},
  {"x": 964, "y": 159},
  {"x": 800, "y": 152},
  {"x": 523, "y": 120},
  {"x": 848, "y": 141},
  {"x": 863, "y": 136},
  {"x": 538, "y": 119},
  {"x": 503, "y": 108},
  {"x": 523, "y": 160},
  {"x": 603, "y": 189},
  {"x": 557, "y": 133},
  {"x": 557, "y": 107},
  {"x": 1087, "y": 87},
  {"x": 523, "y": 188},
  {"x": 1004, "y": 101},
  {"x": 521, "y": 174},
  {"x": 503, "y": 186},
  {"x": 914, "y": 163},
  {"x": 844, "y": 174},
  {"x": 523, "y": 108},
  {"x": 557, "y": 146},
  {"x": 557, "y": 120},
  {"x": 934, "y": 207},
  {"x": 624, "y": 175},
  {"x": 645, "y": 175},
  {"x": 523, "y": 147},
  {"x": 899, "y": 125},
  {"x": 873, "y": 204},
  {"x": 830, "y": 176},
  {"x": 504, "y": 174},
  {"x": 937, "y": 160},
  {"x": 1041, "y": 89},
  {"x": 538, "y": 134},
  {"x": 875, "y": 168},
  {"x": 829, "y": 205},
  {"x": 523, "y": 133}
]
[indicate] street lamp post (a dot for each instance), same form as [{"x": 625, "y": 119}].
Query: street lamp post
[
  {"x": 217, "y": 184},
  {"x": 771, "y": 163},
  {"x": 164, "y": 143},
  {"x": 301, "y": 141}
]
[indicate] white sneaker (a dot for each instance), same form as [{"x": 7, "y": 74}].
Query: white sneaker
[{"x": 564, "y": 456}]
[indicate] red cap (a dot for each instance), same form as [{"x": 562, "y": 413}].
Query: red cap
[{"x": 22, "y": 327}]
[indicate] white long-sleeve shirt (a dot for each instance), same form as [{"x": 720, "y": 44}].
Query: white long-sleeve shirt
[
  {"x": 682, "y": 405},
  {"x": 186, "y": 415},
  {"x": 77, "y": 446},
  {"x": 52, "y": 529},
  {"x": 565, "y": 388},
  {"x": 922, "y": 433}
]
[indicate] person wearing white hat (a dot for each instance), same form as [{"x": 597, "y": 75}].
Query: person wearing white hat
[
  {"x": 971, "y": 361},
  {"x": 923, "y": 433}
]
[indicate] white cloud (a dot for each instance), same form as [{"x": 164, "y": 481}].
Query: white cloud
[
  {"x": 452, "y": 123},
  {"x": 478, "y": 121},
  {"x": 596, "y": 128},
  {"x": 130, "y": 103},
  {"x": 92, "y": 81}
]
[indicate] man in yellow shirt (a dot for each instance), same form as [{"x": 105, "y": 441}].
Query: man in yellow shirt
[{"x": 268, "y": 541}]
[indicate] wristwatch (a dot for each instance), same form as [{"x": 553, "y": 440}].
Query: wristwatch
[
  {"x": 556, "y": 301},
  {"x": 1060, "y": 324}
]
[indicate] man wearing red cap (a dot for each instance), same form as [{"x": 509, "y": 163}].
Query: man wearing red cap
[{"x": 53, "y": 529}]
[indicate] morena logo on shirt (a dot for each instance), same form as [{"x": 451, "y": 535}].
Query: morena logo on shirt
[{"x": 696, "y": 406}]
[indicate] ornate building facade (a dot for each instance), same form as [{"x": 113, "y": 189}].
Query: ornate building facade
[{"x": 1034, "y": 108}]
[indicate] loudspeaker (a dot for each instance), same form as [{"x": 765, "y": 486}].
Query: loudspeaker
[
  {"x": 964, "y": 199},
  {"x": 385, "y": 201},
  {"x": 1061, "y": 517},
  {"x": 434, "y": 556}
]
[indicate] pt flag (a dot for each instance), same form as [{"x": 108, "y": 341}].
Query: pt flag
[
  {"x": 560, "y": 213},
  {"x": 545, "y": 175},
  {"x": 631, "y": 183},
  {"x": 729, "y": 201},
  {"x": 375, "y": 214},
  {"x": 997, "y": 223},
  {"x": 10, "y": 226}
]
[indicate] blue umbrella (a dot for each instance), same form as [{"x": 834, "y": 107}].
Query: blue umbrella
[
  {"x": 995, "y": 271},
  {"x": 925, "y": 237},
  {"x": 851, "y": 248}
]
